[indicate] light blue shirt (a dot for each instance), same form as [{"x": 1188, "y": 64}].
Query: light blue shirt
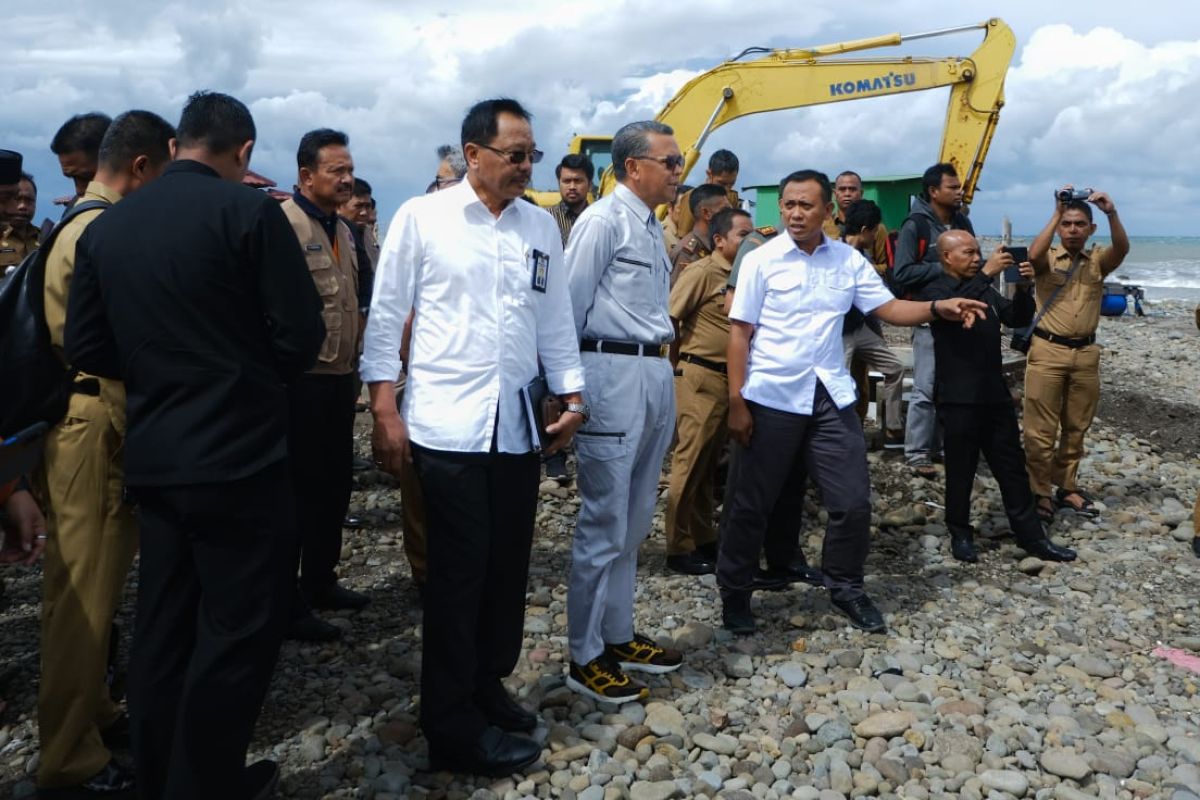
[
  {"x": 618, "y": 272},
  {"x": 796, "y": 302}
]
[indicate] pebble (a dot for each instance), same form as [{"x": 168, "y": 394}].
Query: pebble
[
  {"x": 652, "y": 790},
  {"x": 792, "y": 674},
  {"x": 1065, "y": 764},
  {"x": 722, "y": 744},
  {"x": 738, "y": 665},
  {"x": 885, "y": 725},
  {"x": 1011, "y": 781}
]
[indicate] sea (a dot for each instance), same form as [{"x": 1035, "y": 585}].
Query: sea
[{"x": 1164, "y": 267}]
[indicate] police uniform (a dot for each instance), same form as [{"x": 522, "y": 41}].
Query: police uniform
[
  {"x": 691, "y": 248},
  {"x": 1062, "y": 373},
  {"x": 697, "y": 301},
  {"x": 670, "y": 233},
  {"x": 684, "y": 219},
  {"x": 91, "y": 545},
  {"x": 16, "y": 241},
  {"x": 321, "y": 402}
]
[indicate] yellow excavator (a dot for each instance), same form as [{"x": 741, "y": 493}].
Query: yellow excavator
[{"x": 781, "y": 79}]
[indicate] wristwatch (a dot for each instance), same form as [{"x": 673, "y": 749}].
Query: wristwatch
[{"x": 581, "y": 409}]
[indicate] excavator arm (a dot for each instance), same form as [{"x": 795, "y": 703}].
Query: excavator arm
[{"x": 784, "y": 79}]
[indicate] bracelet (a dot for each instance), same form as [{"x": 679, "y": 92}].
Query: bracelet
[{"x": 933, "y": 310}]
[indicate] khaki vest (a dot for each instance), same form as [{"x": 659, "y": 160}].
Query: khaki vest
[{"x": 337, "y": 283}]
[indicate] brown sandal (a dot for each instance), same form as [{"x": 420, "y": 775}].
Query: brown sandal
[{"x": 1045, "y": 513}]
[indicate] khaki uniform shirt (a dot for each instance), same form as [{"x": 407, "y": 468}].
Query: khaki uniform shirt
[
  {"x": 17, "y": 240},
  {"x": 60, "y": 267},
  {"x": 692, "y": 247},
  {"x": 334, "y": 269},
  {"x": 698, "y": 302},
  {"x": 833, "y": 229},
  {"x": 670, "y": 235},
  {"x": 686, "y": 221},
  {"x": 1075, "y": 312}
]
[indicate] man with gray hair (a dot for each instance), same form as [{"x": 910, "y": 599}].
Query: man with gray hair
[
  {"x": 451, "y": 168},
  {"x": 618, "y": 274}
]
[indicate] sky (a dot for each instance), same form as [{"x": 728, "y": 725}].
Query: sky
[{"x": 1104, "y": 94}]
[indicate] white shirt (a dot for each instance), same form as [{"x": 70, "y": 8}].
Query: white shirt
[
  {"x": 619, "y": 272},
  {"x": 480, "y": 322},
  {"x": 796, "y": 302}
]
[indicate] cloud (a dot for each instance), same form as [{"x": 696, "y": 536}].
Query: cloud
[{"x": 1111, "y": 102}]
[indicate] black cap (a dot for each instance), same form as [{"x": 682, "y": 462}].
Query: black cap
[{"x": 10, "y": 167}]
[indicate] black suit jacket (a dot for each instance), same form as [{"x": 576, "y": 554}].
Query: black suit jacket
[
  {"x": 969, "y": 362},
  {"x": 194, "y": 291}
]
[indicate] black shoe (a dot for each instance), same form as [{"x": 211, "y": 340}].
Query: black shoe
[
  {"x": 556, "y": 468},
  {"x": 338, "y": 598},
  {"x": 691, "y": 564},
  {"x": 360, "y": 464},
  {"x": 1047, "y": 550},
  {"x": 352, "y": 522},
  {"x": 767, "y": 581},
  {"x": 736, "y": 616},
  {"x": 798, "y": 571},
  {"x": 494, "y": 753},
  {"x": 708, "y": 551},
  {"x": 116, "y": 735},
  {"x": 504, "y": 712},
  {"x": 1196, "y": 546},
  {"x": 308, "y": 628},
  {"x": 862, "y": 613},
  {"x": 260, "y": 779},
  {"x": 114, "y": 782},
  {"x": 963, "y": 549}
]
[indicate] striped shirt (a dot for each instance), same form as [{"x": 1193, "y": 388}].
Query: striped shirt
[{"x": 565, "y": 219}]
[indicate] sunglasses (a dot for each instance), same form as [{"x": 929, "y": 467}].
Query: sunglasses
[
  {"x": 516, "y": 156},
  {"x": 670, "y": 162}
]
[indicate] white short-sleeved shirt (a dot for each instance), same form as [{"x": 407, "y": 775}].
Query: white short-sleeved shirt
[{"x": 796, "y": 302}]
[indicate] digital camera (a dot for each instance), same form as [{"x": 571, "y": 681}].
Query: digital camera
[{"x": 1067, "y": 195}]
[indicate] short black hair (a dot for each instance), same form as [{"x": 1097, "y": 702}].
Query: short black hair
[
  {"x": 702, "y": 194},
  {"x": 932, "y": 178},
  {"x": 1080, "y": 205},
  {"x": 723, "y": 161},
  {"x": 848, "y": 173},
  {"x": 216, "y": 122},
  {"x": 309, "y": 151},
  {"x": 576, "y": 161},
  {"x": 681, "y": 190},
  {"x": 862, "y": 214},
  {"x": 722, "y": 221},
  {"x": 25, "y": 176},
  {"x": 482, "y": 122},
  {"x": 805, "y": 175},
  {"x": 81, "y": 134},
  {"x": 136, "y": 133},
  {"x": 361, "y": 188}
]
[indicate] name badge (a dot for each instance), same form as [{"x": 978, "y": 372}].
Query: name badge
[
  {"x": 312, "y": 248},
  {"x": 540, "y": 262}
]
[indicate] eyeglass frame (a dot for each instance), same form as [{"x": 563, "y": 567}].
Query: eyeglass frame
[
  {"x": 665, "y": 161},
  {"x": 535, "y": 156}
]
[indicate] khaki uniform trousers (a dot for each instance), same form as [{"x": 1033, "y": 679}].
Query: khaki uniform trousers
[
  {"x": 91, "y": 545},
  {"x": 412, "y": 505},
  {"x": 701, "y": 410},
  {"x": 1062, "y": 390}
]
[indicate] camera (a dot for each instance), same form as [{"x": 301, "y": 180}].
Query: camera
[{"x": 1067, "y": 195}]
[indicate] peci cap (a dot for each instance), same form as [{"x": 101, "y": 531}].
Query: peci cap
[{"x": 10, "y": 167}]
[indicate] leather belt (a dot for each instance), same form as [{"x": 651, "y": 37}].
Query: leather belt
[
  {"x": 88, "y": 386},
  {"x": 1065, "y": 341},
  {"x": 715, "y": 366},
  {"x": 623, "y": 348}
]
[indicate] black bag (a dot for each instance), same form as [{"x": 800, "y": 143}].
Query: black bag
[{"x": 35, "y": 385}]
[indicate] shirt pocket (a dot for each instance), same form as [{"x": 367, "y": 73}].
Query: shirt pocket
[
  {"x": 324, "y": 276},
  {"x": 633, "y": 281}
]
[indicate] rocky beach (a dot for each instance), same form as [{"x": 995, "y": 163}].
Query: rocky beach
[{"x": 1007, "y": 678}]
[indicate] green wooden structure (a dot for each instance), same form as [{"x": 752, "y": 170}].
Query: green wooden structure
[{"x": 892, "y": 194}]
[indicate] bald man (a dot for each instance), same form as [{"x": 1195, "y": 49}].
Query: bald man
[{"x": 973, "y": 402}]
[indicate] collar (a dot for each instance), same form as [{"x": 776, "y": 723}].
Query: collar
[
  {"x": 721, "y": 261},
  {"x": 825, "y": 240},
  {"x": 1060, "y": 253},
  {"x": 704, "y": 240},
  {"x": 640, "y": 209},
  {"x": 99, "y": 191},
  {"x": 194, "y": 167},
  {"x": 310, "y": 208},
  {"x": 566, "y": 209},
  {"x": 463, "y": 195}
]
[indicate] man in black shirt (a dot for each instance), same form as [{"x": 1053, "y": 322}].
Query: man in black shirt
[
  {"x": 194, "y": 292},
  {"x": 973, "y": 402}
]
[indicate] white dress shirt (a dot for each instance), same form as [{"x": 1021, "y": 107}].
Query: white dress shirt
[
  {"x": 481, "y": 322},
  {"x": 796, "y": 302},
  {"x": 619, "y": 272}
]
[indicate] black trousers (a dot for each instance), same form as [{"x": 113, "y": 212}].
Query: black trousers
[
  {"x": 784, "y": 450},
  {"x": 781, "y": 542},
  {"x": 321, "y": 452},
  {"x": 480, "y": 509},
  {"x": 990, "y": 429},
  {"x": 214, "y": 595}
]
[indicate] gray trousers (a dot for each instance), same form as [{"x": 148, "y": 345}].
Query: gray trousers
[
  {"x": 619, "y": 460},
  {"x": 870, "y": 347},
  {"x": 784, "y": 450},
  {"x": 922, "y": 436}
]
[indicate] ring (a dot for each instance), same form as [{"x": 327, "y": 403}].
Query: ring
[{"x": 42, "y": 536}]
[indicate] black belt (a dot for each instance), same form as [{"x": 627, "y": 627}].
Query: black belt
[
  {"x": 623, "y": 348},
  {"x": 88, "y": 386},
  {"x": 715, "y": 366},
  {"x": 1065, "y": 341}
]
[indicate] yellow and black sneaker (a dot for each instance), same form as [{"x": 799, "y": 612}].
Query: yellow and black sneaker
[
  {"x": 601, "y": 679},
  {"x": 643, "y": 655}
]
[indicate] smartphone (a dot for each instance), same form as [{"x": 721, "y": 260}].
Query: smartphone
[{"x": 1020, "y": 255}]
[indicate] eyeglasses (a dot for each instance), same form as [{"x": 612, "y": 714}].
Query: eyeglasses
[
  {"x": 516, "y": 156},
  {"x": 670, "y": 162}
]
